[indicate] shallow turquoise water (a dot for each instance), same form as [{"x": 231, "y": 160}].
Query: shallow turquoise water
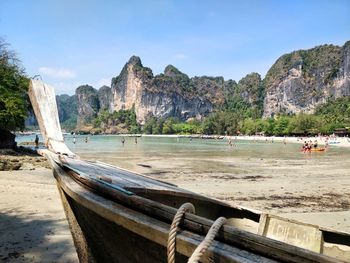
[{"x": 197, "y": 155}]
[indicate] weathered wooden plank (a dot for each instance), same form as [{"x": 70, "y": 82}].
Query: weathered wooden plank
[
  {"x": 123, "y": 177},
  {"x": 295, "y": 233},
  {"x": 43, "y": 100},
  {"x": 258, "y": 244},
  {"x": 150, "y": 228}
]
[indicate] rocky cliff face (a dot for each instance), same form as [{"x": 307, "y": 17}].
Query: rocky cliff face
[
  {"x": 303, "y": 79},
  {"x": 67, "y": 107},
  {"x": 105, "y": 98},
  {"x": 88, "y": 105},
  {"x": 297, "y": 82},
  {"x": 172, "y": 94},
  {"x": 247, "y": 93}
]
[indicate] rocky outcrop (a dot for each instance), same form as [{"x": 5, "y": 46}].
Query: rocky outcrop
[
  {"x": 172, "y": 94},
  {"x": 303, "y": 79},
  {"x": 88, "y": 105},
  {"x": 247, "y": 93},
  {"x": 251, "y": 89},
  {"x": 7, "y": 139},
  {"x": 67, "y": 107},
  {"x": 105, "y": 98}
]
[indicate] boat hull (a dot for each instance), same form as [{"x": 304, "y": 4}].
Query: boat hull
[{"x": 106, "y": 231}]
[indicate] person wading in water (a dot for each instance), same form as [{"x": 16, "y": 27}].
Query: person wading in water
[{"x": 36, "y": 141}]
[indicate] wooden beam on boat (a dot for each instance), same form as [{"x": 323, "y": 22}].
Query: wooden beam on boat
[
  {"x": 149, "y": 227},
  {"x": 228, "y": 234}
]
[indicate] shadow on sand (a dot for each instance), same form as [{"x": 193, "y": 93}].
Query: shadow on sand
[{"x": 25, "y": 238}]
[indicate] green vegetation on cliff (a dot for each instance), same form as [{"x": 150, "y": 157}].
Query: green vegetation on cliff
[
  {"x": 173, "y": 80},
  {"x": 171, "y": 126},
  {"x": 67, "y": 111},
  {"x": 123, "y": 121},
  {"x": 246, "y": 97},
  {"x": 336, "y": 111}
]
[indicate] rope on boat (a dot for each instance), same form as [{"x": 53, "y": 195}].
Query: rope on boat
[
  {"x": 203, "y": 246},
  {"x": 208, "y": 240},
  {"x": 186, "y": 207}
]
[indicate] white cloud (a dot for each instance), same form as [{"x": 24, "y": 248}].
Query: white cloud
[
  {"x": 57, "y": 73},
  {"x": 180, "y": 56}
]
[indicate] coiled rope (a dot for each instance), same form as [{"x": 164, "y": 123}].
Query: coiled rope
[
  {"x": 203, "y": 246},
  {"x": 208, "y": 240},
  {"x": 186, "y": 207}
]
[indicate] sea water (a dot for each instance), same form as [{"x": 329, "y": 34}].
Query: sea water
[{"x": 169, "y": 154}]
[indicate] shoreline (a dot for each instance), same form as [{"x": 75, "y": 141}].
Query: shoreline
[
  {"x": 336, "y": 141},
  {"x": 332, "y": 141}
]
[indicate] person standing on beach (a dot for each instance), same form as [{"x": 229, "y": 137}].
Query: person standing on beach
[
  {"x": 135, "y": 140},
  {"x": 123, "y": 141},
  {"x": 36, "y": 141}
]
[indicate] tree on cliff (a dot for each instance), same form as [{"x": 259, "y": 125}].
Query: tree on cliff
[{"x": 13, "y": 95}]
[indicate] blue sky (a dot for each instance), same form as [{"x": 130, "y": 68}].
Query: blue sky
[{"x": 74, "y": 42}]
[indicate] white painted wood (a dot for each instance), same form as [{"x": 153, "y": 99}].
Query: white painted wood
[{"x": 42, "y": 97}]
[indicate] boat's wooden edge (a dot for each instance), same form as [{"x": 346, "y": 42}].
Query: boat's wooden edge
[
  {"x": 148, "y": 227},
  {"x": 221, "y": 202},
  {"x": 240, "y": 238},
  {"x": 123, "y": 169}
]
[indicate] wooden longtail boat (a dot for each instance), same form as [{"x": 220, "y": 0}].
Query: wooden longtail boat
[{"x": 119, "y": 216}]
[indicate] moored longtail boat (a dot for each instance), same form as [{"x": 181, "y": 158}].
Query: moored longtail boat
[{"x": 119, "y": 216}]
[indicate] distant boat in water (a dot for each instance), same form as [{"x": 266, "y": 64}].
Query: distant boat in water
[
  {"x": 119, "y": 216},
  {"x": 333, "y": 142}
]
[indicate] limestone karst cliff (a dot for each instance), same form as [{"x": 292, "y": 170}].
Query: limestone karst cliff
[
  {"x": 301, "y": 80},
  {"x": 172, "y": 94},
  {"x": 88, "y": 105},
  {"x": 105, "y": 98},
  {"x": 297, "y": 82},
  {"x": 67, "y": 108}
]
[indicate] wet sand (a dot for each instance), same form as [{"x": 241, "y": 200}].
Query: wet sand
[
  {"x": 33, "y": 226},
  {"x": 298, "y": 189}
]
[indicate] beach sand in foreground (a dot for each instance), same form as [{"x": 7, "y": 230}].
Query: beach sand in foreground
[
  {"x": 295, "y": 189},
  {"x": 33, "y": 226}
]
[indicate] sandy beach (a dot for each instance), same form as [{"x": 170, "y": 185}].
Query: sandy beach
[
  {"x": 33, "y": 226},
  {"x": 273, "y": 186},
  {"x": 314, "y": 188}
]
